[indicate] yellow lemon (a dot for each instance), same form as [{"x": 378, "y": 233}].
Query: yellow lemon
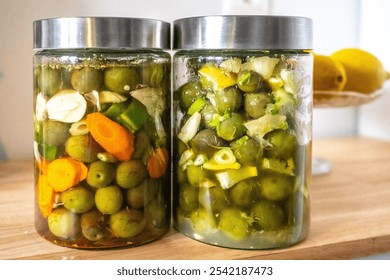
[
  {"x": 365, "y": 72},
  {"x": 216, "y": 78},
  {"x": 328, "y": 73}
]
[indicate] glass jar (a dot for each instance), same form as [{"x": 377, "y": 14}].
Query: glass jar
[
  {"x": 242, "y": 129},
  {"x": 102, "y": 131}
]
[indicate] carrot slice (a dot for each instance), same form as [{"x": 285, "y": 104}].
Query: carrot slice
[
  {"x": 158, "y": 163},
  {"x": 45, "y": 194},
  {"x": 63, "y": 173},
  {"x": 83, "y": 171},
  {"x": 114, "y": 138}
]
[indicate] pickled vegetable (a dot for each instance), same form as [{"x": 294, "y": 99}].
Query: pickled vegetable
[
  {"x": 78, "y": 199},
  {"x": 102, "y": 149},
  {"x": 100, "y": 174},
  {"x": 241, "y": 151},
  {"x": 109, "y": 199}
]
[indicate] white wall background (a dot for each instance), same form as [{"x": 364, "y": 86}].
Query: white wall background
[
  {"x": 374, "y": 118},
  {"x": 334, "y": 28}
]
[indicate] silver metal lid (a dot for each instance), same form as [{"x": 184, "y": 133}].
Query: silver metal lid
[
  {"x": 243, "y": 32},
  {"x": 101, "y": 32}
]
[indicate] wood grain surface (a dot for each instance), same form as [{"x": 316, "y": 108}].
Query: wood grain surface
[{"x": 350, "y": 214}]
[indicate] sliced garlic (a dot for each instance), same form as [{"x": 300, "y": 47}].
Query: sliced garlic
[
  {"x": 40, "y": 107},
  {"x": 66, "y": 106}
]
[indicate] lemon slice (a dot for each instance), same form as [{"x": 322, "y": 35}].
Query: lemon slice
[
  {"x": 217, "y": 77},
  {"x": 263, "y": 65},
  {"x": 67, "y": 106}
]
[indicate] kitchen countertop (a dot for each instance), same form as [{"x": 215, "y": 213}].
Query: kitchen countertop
[{"x": 350, "y": 215}]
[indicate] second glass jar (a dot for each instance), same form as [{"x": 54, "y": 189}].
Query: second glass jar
[{"x": 242, "y": 110}]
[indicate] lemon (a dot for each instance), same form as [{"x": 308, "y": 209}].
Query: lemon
[
  {"x": 365, "y": 72},
  {"x": 216, "y": 78},
  {"x": 328, "y": 73}
]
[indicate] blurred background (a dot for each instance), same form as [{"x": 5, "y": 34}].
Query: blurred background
[{"x": 337, "y": 24}]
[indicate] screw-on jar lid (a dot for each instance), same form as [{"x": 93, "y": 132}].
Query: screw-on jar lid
[
  {"x": 243, "y": 32},
  {"x": 101, "y": 32}
]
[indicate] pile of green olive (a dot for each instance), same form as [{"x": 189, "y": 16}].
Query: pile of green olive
[
  {"x": 117, "y": 202},
  {"x": 240, "y": 168}
]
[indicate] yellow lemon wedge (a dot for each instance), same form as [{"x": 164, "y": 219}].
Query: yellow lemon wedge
[
  {"x": 328, "y": 73},
  {"x": 215, "y": 78},
  {"x": 364, "y": 71}
]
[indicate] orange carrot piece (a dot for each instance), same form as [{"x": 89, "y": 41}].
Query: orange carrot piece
[
  {"x": 158, "y": 163},
  {"x": 63, "y": 173},
  {"x": 83, "y": 171},
  {"x": 42, "y": 165},
  {"x": 45, "y": 195},
  {"x": 114, "y": 138}
]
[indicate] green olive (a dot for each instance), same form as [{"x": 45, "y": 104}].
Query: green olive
[
  {"x": 181, "y": 175},
  {"x": 49, "y": 81},
  {"x": 156, "y": 213},
  {"x": 213, "y": 198},
  {"x": 152, "y": 74},
  {"x": 248, "y": 81},
  {"x": 66, "y": 76},
  {"x": 188, "y": 197},
  {"x": 248, "y": 152},
  {"x": 243, "y": 193},
  {"x": 141, "y": 144},
  {"x": 203, "y": 221},
  {"x": 228, "y": 100},
  {"x": 231, "y": 128},
  {"x": 196, "y": 175},
  {"x": 55, "y": 133},
  {"x": 92, "y": 225},
  {"x": 256, "y": 104},
  {"x": 141, "y": 195},
  {"x": 121, "y": 79},
  {"x": 268, "y": 215},
  {"x": 234, "y": 223},
  {"x": 189, "y": 92},
  {"x": 297, "y": 209},
  {"x": 109, "y": 199},
  {"x": 86, "y": 79},
  {"x": 78, "y": 199},
  {"x": 206, "y": 142},
  {"x": 130, "y": 173},
  {"x": 283, "y": 144},
  {"x": 276, "y": 187},
  {"x": 127, "y": 223},
  {"x": 64, "y": 223},
  {"x": 208, "y": 114},
  {"x": 83, "y": 148},
  {"x": 100, "y": 174}
]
